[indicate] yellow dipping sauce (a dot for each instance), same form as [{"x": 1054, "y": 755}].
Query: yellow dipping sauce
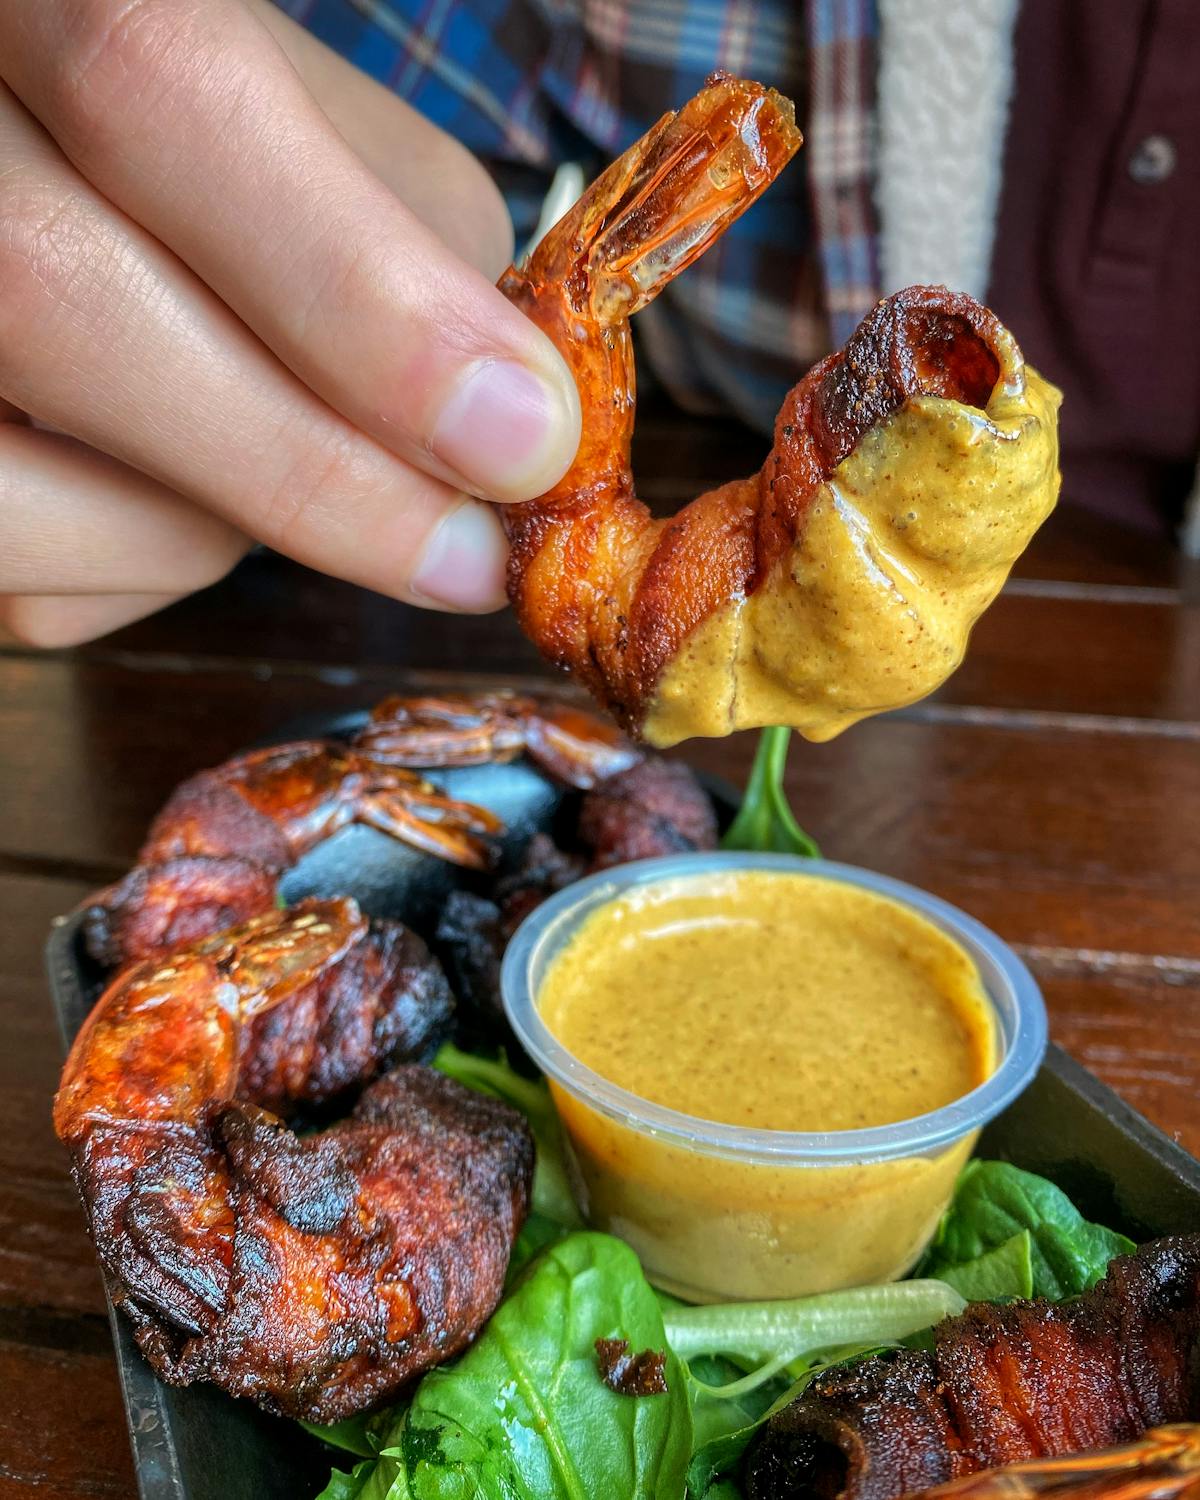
[
  {"x": 773, "y": 1001},
  {"x": 902, "y": 549}
]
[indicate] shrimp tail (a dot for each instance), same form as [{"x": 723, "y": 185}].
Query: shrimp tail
[
  {"x": 663, "y": 202},
  {"x": 578, "y": 551}
]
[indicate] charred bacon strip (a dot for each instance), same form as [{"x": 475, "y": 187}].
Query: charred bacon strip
[
  {"x": 1032, "y": 1380},
  {"x": 159, "y": 907},
  {"x": 631, "y": 1374},
  {"x": 359, "y": 1257},
  {"x": 314, "y": 1274},
  {"x": 656, "y": 808},
  {"x": 386, "y": 1002}
]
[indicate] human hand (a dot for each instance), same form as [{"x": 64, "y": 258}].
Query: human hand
[{"x": 252, "y": 293}]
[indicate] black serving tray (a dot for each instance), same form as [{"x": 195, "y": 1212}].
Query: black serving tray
[{"x": 196, "y": 1443}]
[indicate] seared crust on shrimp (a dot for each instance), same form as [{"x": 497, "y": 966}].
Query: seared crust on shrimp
[
  {"x": 654, "y": 809},
  {"x": 166, "y": 905},
  {"x": 908, "y": 472},
  {"x": 574, "y": 747},
  {"x": 359, "y": 1257},
  {"x": 314, "y": 1274},
  {"x": 387, "y": 1001},
  {"x": 1030, "y": 1380},
  {"x": 214, "y": 854}
]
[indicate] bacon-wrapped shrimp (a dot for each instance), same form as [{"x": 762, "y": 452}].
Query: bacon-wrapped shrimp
[
  {"x": 573, "y": 747},
  {"x": 385, "y": 1002},
  {"x": 908, "y": 472},
  {"x": 1163, "y": 1465},
  {"x": 272, "y": 805},
  {"x": 316, "y": 1274},
  {"x": 1002, "y": 1384},
  {"x": 214, "y": 854}
]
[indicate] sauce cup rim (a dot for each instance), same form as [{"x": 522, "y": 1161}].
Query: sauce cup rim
[{"x": 1015, "y": 997}]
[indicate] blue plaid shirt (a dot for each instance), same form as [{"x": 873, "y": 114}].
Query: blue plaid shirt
[{"x": 528, "y": 84}]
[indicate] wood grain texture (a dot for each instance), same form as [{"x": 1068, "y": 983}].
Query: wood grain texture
[
  {"x": 1052, "y": 789},
  {"x": 63, "y": 1425},
  {"x": 45, "y": 1258},
  {"x": 1141, "y": 1036},
  {"x": 1051, "y": 832},
  {"x": 1048, "y": 644}
]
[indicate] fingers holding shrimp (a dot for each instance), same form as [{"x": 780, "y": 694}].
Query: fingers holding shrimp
[
  {"x": 106, "y": 335},
  {"x": 128, "y": 534},
  {"x": 263, "y": 284},
  {"x": 190, "y": 118}
]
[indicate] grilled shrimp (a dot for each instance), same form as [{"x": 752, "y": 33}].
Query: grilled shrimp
[
  {"x": 576, "y": 748},
  {"x": 214, "y": 854},
  {"x": 1016, "y": 1383},
  {"x": 907, "y": 474},
  {"x": 316, "y": 1274}
]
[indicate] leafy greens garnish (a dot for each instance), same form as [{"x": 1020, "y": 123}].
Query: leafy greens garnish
[
  {"x": 748, "y": 1359},
  {"x": 759, "y": 1332},
  {"x": 525, "y": 1413},
  {"x": 764, "y": 821},
  {"x": 996, "y": 1204},
  {"x": 996, "y": 1275}
]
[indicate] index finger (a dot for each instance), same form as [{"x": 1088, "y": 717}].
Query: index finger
[{"x": 187, "y": 115}]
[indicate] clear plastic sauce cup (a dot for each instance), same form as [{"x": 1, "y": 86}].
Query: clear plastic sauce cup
[{"x": 721, "y": 1212}]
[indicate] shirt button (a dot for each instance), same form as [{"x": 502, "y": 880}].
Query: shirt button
[{"x": 1153, "y": 161}]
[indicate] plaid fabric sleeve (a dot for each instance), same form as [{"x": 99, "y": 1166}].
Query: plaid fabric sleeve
[
  {"x": 841, "y": 157},
  {"x": 527, "y": 84}
]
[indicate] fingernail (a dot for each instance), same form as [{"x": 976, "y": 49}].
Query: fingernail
[
  {"x": 506, "y": 430},
  {"x": 464, "y": 561}
]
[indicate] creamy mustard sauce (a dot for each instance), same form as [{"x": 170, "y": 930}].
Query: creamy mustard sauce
[
  {"x": 903, "y": 549},
  {"x": 779, "y": 1002},
  {"x": 775, "y": 1001}
]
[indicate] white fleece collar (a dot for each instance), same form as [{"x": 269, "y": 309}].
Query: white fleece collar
[{"x": 945, "y": 78}]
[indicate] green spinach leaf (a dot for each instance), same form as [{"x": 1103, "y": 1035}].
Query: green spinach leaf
[
  {"x": 524, "y": 1414},
  {"x": 353, "y": 1486},
  {"x": 758, "y": 1333},
  {"x": 716, "y": 1457},
  {"x": 764, "y": 820},
  {"x": 996, "y": 1275},
  {"x": 724, "y": 1427},
  {"x": 995, "y": 1202},
  {"x": 353, "y": 1435},
  {"x": 785, "y": 1342}
]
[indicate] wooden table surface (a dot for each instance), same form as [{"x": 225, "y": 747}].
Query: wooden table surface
[{"x": 1052, "y": 788}]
